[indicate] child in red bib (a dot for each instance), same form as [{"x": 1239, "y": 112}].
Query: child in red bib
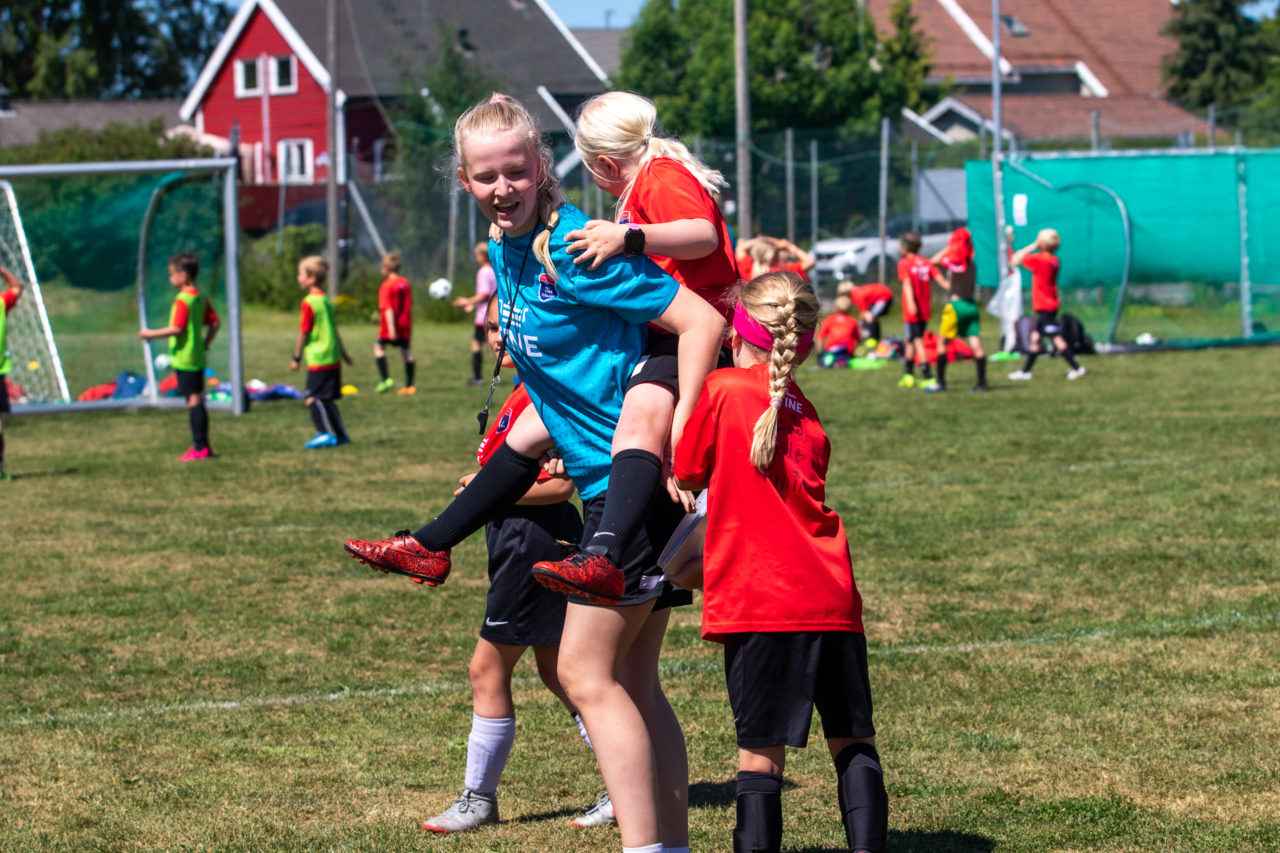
[{"x": 778, "y": 586}]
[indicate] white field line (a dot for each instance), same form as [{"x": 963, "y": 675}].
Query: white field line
[{"x": 1147, "y": 629}]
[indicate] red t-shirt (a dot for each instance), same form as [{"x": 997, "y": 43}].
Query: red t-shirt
[
  {"x": 916, "y": 272},
  {"x": 1044, "y": 280},
  {"x": 10, "y": 298},
  {"x": 497, "y": 434},
  {"x": 797, "y": 268},
  {"x": 776, "y": 557},
  {"x": 839, "y": 330},
  {"x": 394, "y": 294},
  {"x": 178, "y": 316},
  {"x": 869, "y": 294},
  {"x": 665, "y": 191}
]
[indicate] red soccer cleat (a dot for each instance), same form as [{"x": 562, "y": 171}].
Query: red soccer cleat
[
  {"x": 592, "y": 576},
  {"x": 402, "y": 555}
]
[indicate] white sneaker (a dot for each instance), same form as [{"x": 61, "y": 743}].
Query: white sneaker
[
  {"x": 1076, "y": 373},
  {"x": 601, "y": 814},
  {"x": 470, "y": 811},
  {"x": 1020, "y": 375}
]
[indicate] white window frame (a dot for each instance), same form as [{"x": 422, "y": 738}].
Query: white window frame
[
  {"x": 274, "y": 75},
  {"x": 304, "y": 147},
  {"x": 242, "y": 90}
]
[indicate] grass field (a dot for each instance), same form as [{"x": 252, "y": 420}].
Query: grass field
[{"x": 1072, "y": 603}]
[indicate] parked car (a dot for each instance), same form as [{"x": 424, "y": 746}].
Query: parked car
[{"x": 856, "y": 258}]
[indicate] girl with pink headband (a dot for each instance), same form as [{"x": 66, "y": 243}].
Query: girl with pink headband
[{"x": 778, "y": 587}]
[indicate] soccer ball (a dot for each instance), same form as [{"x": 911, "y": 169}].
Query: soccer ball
[
  {"x": 162, "y": 361},
  {"x": 441, "y": 288}
]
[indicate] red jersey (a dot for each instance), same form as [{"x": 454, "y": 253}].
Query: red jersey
[
  {"x": 395, "y": 296},
  {"x": 797, "y": 268},
  {"x": 665, "y": 191},
  {"x": 869, "y": 294},
  {"x": 497, "y": 435},
  {"x": 178, "y": 315},
  {"x": 10, "y": 298},
  {"x": 776, "y": 557},
  {"x": 839, "y": 330},
  {"x": 1044, "y": 280},
  {"x": 916, "y": 272}
]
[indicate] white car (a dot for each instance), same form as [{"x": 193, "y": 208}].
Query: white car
[{"x": 857, "y": 258}]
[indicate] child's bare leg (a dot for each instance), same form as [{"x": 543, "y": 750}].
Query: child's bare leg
[
  {"x": 759, "y": 799},
  {"x": 864, "y": 804},
  {"x": 594, "y": 641},
  {"x": 640, "y": 677}
]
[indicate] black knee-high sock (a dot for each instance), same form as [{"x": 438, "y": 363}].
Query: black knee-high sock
[
  {"x": 864, "y": 804},
  {"x": 381, "y": 361},
  {"x": 1070, "y": 355},
  {"x": 335, "y": 419},
  {"x": 875, "y": 329},
  {"x": 981, "y": 364},
  {"x": 634, "y": 480},
  {"x": 317, "y": 416},
  {"x": 500, "y": 483},
  {"x": 199, "y": 418},
  {"x": 477, "y": 360},
  {"x": 409, "y": 365},
  {"x": 942, "y": 367},
  {"x": 926, "y": 370},
  {"x": 1, "y": 447},
  {"x": 1030, "y": 362},
  {"x": 759, "y": 824},
  {"x": 909, "y": 366}
]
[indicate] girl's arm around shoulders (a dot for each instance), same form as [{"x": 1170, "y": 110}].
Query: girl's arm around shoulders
[{"x": 683, "y": 239}]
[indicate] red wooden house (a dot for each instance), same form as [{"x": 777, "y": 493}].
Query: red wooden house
[{"x": 267, "y": 77}]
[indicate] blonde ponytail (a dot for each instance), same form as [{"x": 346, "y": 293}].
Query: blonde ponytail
[
  {"x": 784, "y": 304},
  {"x": 503, "y": 114}
]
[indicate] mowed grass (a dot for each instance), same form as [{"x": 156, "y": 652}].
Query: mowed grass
[{"x": 1072, "y": 597}]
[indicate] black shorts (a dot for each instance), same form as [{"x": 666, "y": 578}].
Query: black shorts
[
  {"x": 4, "y": 394},
  {"x": 660, "y": 363},
  {"x": 403, "y": 343},
  {"x": 480, "y": 336},
  {"x": 776, "y": 679},
  {"x": 325, "y": 384},
  {"x": 914, "y": 330},
  {"x": 519, "y": 611},
  {"x": 878, "y": 309},
  {"x": 189, "y": 382},
  {"x": 1047, "y": 323},
  {"x": 645, "y": 579}
]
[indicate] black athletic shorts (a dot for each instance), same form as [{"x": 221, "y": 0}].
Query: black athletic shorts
[
  {"x": 519, "y": 611},
  {"x": 878, "y": 309},
  {"x": 645, "y": 579},
  {"x": 776, "y": 679},
  {"x": 189, "y": 382},
  {"x": 1047, "y": 323},
  {"x": 480, "y": 336},
  {"x": 660, "y": 363},
  {"x": 325, "y": 384},
  {"x": 913, "y": 331},
  {"x": 4, "y": 395},
  {"x": 403, "y": 343}
]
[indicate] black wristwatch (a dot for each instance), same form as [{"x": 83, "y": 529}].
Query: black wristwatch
[{"x": 633, "y": 241}]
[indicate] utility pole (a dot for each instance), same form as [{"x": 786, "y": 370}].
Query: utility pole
[
  {"x": 331, "y": 198},
  {"x": 742, "y": 94},
  {"x": 1002, "y": 262}
]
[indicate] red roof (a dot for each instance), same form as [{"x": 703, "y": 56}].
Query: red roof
[{"x": 1069, "y": 116}]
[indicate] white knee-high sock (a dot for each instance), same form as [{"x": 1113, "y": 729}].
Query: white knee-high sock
[{"x": 487, "y": 750}]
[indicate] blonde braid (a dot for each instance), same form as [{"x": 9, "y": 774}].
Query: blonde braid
[{"x": 786, "y": 306}]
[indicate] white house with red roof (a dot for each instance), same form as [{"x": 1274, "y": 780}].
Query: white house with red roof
[
  {"x": 267, "y": 77},
  {"x": 1060, "y": 60}
]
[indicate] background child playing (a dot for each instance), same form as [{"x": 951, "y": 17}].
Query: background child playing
[
  {"x": 838, "y": 336},
  {"x": 8, "y": 299},
  {"x": 916, "y": 275},
  {"x": 319, "y": 343},
  {"x": 779, "y": 591},
  {"x": 1041, "y": 258},
  {"x": 960, "y": 316},
  {"x": 395, "y": 324},
  {"x": 873, "y": 302},
  {"x": 486, "y": 285},
  {"x": 188, "y": 352}
]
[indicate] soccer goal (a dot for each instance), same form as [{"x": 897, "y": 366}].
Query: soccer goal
[{"x": 92, "y": 241}]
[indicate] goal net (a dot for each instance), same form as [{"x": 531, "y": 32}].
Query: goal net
[{"x": 37, "y": 373}]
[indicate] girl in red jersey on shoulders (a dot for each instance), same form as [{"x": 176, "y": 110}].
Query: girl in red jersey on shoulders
[{"x": 778, "y": 586}]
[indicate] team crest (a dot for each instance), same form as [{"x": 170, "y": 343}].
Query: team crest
[
  {"x": 546, "y": 288},
  {"x": 504, "y": 422},
  {"x": 625, "y": 218}
]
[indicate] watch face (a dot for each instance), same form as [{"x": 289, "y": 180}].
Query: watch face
[{"x": 633, "y": 241}]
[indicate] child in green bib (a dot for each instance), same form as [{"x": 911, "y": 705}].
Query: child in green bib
[{"x": 321, "y": 346}]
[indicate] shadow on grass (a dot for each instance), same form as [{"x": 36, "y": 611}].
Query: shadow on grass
[{"x": 932, "y": 842}]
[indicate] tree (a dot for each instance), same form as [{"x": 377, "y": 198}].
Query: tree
[
  {"x": 59, "y": 49},
  {"x": 813, "y": 63},
  {"x": 1222, "y": 55}
]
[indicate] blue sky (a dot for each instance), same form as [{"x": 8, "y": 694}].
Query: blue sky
[{"x": 583, "y": 13}]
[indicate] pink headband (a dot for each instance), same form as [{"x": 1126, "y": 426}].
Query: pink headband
[{"x": 754, "y": 333}]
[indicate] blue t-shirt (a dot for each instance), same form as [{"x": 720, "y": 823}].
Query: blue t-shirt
[{"x": 576, "y": 340}]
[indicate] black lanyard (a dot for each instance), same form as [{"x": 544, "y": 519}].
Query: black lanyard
[{"x": 483, "y": 415}]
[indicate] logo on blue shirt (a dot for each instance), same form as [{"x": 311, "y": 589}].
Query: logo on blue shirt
[{"x": 546, "y": 288}]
